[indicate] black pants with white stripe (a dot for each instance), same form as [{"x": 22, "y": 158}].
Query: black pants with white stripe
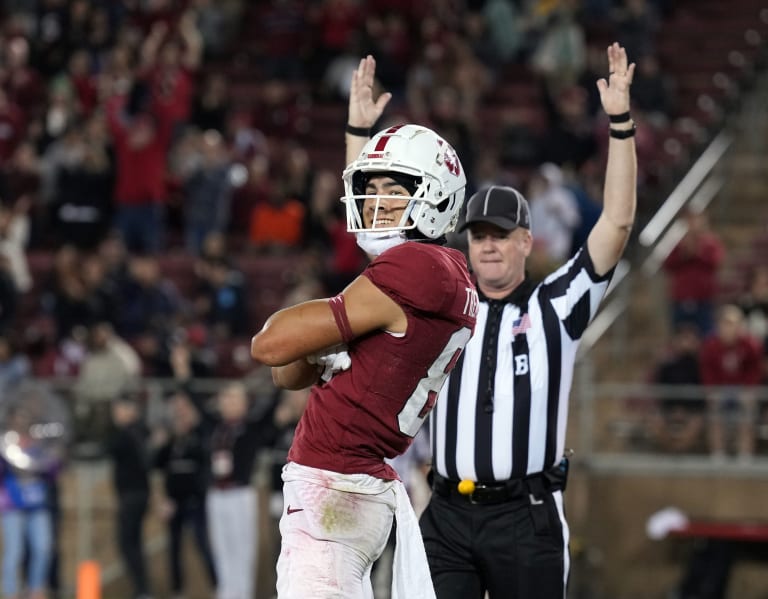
[{"x": 513, "y": 550}]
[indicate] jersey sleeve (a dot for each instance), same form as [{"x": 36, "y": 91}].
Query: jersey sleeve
[{"x": 412, "y": 276}]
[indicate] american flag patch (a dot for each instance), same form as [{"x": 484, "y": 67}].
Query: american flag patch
[{"x": 521, "y": 325}]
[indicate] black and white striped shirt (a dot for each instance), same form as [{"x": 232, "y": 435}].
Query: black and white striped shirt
[{"x": 502, "y": 413}]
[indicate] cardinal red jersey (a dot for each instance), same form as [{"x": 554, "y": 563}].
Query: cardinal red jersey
[{"x": 372, "y": 410}]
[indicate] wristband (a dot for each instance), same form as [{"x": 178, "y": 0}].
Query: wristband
[
  {"x": 619, "y": 118},
  {"x": 623, "y": 133},
  {"x": 358, "y": 131}
]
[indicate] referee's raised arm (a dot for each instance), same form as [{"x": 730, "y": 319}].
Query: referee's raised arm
[{"x": 609, "y": 236}]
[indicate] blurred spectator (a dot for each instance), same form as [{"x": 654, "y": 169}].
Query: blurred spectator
[
  {"x": 211, "y": 104},
  {"x": 222, "y": 302},
  {"x": 141, "y": 132},
  {"x": 184, "y": 460},
  {"x": 151, "y": 303},
  {"x": 207, "y": 189},
  {"x": 218, "y": 23},
  {"x": 730, "y": 365},
  {"x": 188, "y": 356},
  {"x": 215, "y": 247},
  {"x": 637, "y": 23},
  {"x": 100, "y": 36},
  {"x": 22, "y": 83},
  {"x": 554, "y": 213},
  {"x": 231, "y": 500},
  {"x": 128, "y": 448},
  {"x": 255, "y": 191},
  {"x": 387, "y": 36},
  {"x": 114, "y": 257},
  {"x": 117, "y": 72},
  {"x": 679, "y": 427},
  {"x": 278, "y": 224},
  {"x": 65, "y": 296},
  {"x": 53, "y": 357},
  {"x": 22, "y": 175},
  {"x": 337, "y": 22},
  {"x": 12, "y": 124},
  {"x": 8, "y": 296},
  {"x": 110, "y": 369},
  {"x": 653, "y": 91},
  {"x": 52, "y": 39},
  {"x": 14, "y": 366},
  {"x": 61, "y": 110},
  {"x": 323, "y": 206},
  {"x": 284, "y": 41},
  {"x": 24, "y": 510},
  {"x": 571, "y": 138},
  {"x": 337, "y": 75},
  {"x": 82, "y": 208},
  {"x": 754, "y": 303},
  {"x": 299, "y": 174},
  {"x": 426, "y": 72},
  {"x": 103, "y": 297},
  {"x": 170, "y": 63},
  {"x": 692, "y": 269},
  {"x": 29, "y": 486},
  {"x": 589, "y": 209},
  {"x": 282, "y": 111},
  {"x": 61, "y": 154},
  {"x": 520, "y": 142},
  {"x": 506, "y": 26},
  {"x": 82, "y": 79},
  {"x": 14, "y": 236},
  {"x": 561, "y": 54}
]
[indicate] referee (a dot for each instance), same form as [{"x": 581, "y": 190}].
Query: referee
[{"x": 495, "y": 520}]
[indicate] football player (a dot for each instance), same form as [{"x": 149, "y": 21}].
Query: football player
[{"x": 403, "y": 324}]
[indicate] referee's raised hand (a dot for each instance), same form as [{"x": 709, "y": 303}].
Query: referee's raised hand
[{"x": 614, "y": 92}]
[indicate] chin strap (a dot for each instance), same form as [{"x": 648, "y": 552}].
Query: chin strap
[{"x": 376, "y": 243}]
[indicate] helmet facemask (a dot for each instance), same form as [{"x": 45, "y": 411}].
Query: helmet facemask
[{"x": 356, "y": 203}]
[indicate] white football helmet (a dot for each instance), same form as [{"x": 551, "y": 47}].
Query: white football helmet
[{"x": 423, "y": 157}]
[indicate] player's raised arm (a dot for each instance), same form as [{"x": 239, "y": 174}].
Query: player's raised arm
[
  {"x": 610, "y": 234},
  {"x": 364, "y": 111}
]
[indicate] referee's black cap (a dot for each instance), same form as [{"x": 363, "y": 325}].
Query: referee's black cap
[{"x": 502, "y": 206}]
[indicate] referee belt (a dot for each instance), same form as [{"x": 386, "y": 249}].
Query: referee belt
[{"x": 531, "y": 487}]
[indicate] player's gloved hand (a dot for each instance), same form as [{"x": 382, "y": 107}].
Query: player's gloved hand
[{"x": 334, "y": 359}]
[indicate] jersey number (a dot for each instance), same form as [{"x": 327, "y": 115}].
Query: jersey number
[{"x": 420, "y": 403}]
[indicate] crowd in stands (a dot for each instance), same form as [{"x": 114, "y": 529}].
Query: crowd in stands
[
  {"x": 133, "y": 130},
  {"x": 170, "y": 173},
  {"x": 128, "y": 134},
  {"x": 720, "y": 344}
]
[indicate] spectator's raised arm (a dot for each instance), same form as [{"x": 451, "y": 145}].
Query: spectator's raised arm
[{"x": 193, "y": 41}]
